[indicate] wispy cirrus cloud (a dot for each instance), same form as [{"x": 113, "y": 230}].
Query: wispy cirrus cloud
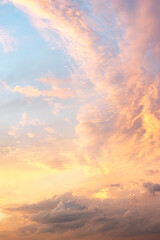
[
  {"x": 79, "y": 40},
  {"x": 7, "y": 42},
  {"x": 30, "y": 91}
]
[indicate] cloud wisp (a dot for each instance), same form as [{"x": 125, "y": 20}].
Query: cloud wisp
[{"x": 7, "y": 42}]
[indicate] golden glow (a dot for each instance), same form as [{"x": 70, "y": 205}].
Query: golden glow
[{"x": 101, "y": 195}]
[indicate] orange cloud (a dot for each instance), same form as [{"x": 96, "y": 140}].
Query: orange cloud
[{"x": 30, "y": 91}]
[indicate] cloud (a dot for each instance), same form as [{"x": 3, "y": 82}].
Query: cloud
[
  {"x": 124, "y": 125},
  {"x": 118, "y": 129},
  {"x": 25, "y": 120},
  {"x": 63, "y": 213},
  {"x": 86, "y": 217},
  {"x": 30, "y": 91},
  {"x": 78, "y": 40},
  {"x": 151, "y": 172},
  {"x": 126, "y": 81},
  {"x": 120, "y": 124},
  {"x": 124, "y": 73},
  {"x": 151, "y": 187},
  {"x": 8, "y": 43}
]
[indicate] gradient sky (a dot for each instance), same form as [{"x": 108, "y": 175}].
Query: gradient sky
[{"x": 80, "y": 119}]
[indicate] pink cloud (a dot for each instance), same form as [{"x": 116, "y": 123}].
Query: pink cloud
[
  {"x": 30, "y": 91},
  {"x": 77, "y": 37},
  {"x": 8, "y": 43}
]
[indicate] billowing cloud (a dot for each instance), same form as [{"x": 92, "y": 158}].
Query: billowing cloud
[
  {"x": 128, "y": 127},
  {"x": 86, "y": 217},
  {"x": 151, "y": 187}
]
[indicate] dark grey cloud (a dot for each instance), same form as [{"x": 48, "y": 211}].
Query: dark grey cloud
[
  {"x": 65, "y": 201},
  {"x": 83, "y": 217},
  {"x": 151, "y": 187}
]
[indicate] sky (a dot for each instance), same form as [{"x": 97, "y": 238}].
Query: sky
[{"x": 79, "y": 120}]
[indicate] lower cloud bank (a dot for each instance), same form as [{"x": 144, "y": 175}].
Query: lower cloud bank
[{"x": 74, "y": 217}]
